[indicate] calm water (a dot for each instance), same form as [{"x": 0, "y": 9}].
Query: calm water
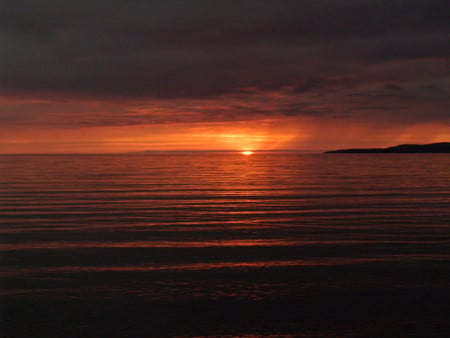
[{"x": 225, "y": 245}]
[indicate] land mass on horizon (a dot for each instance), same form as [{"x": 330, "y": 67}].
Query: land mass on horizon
[{"x": 442, "y": 147}]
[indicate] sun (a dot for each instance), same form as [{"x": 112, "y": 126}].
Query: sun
[{"x": 247, "y": 152}]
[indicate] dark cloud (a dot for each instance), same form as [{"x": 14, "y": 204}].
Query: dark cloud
[
  {"x": 393, "y": 86},
  {"x": 169, "y": 49},
  {"x": 320, "y": 84}
]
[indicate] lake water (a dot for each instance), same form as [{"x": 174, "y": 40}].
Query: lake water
[{"x": 225, "y": 245}]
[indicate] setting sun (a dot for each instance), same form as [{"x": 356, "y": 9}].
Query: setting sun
[{"x": 247, "y": 152}]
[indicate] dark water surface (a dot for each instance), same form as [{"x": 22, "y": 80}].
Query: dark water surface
[{"x": 225, "y": 245}]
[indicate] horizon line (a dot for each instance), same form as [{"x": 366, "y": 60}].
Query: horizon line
[{"x": 169, "y": 151}]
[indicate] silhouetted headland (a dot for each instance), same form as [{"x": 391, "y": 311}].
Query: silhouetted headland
[{"x": 442, "y": 147}]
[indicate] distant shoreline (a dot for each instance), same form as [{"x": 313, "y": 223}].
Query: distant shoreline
[{"x": 432, "y": 148}]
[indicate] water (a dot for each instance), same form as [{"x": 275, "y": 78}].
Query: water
[{"x": 225, "y": 245}]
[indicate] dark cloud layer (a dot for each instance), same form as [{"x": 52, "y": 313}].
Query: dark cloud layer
[{"x": 167, "y": 49}]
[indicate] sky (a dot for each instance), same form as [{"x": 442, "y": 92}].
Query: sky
[{"x": 118, "y": 76}]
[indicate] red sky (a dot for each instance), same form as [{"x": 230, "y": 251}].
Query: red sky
[{"x": 313, "y": 75}]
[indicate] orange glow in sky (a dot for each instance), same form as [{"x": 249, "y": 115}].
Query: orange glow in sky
[
  {"x": 302, "y": 134},
  {"x": 46, "y": 126}
]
